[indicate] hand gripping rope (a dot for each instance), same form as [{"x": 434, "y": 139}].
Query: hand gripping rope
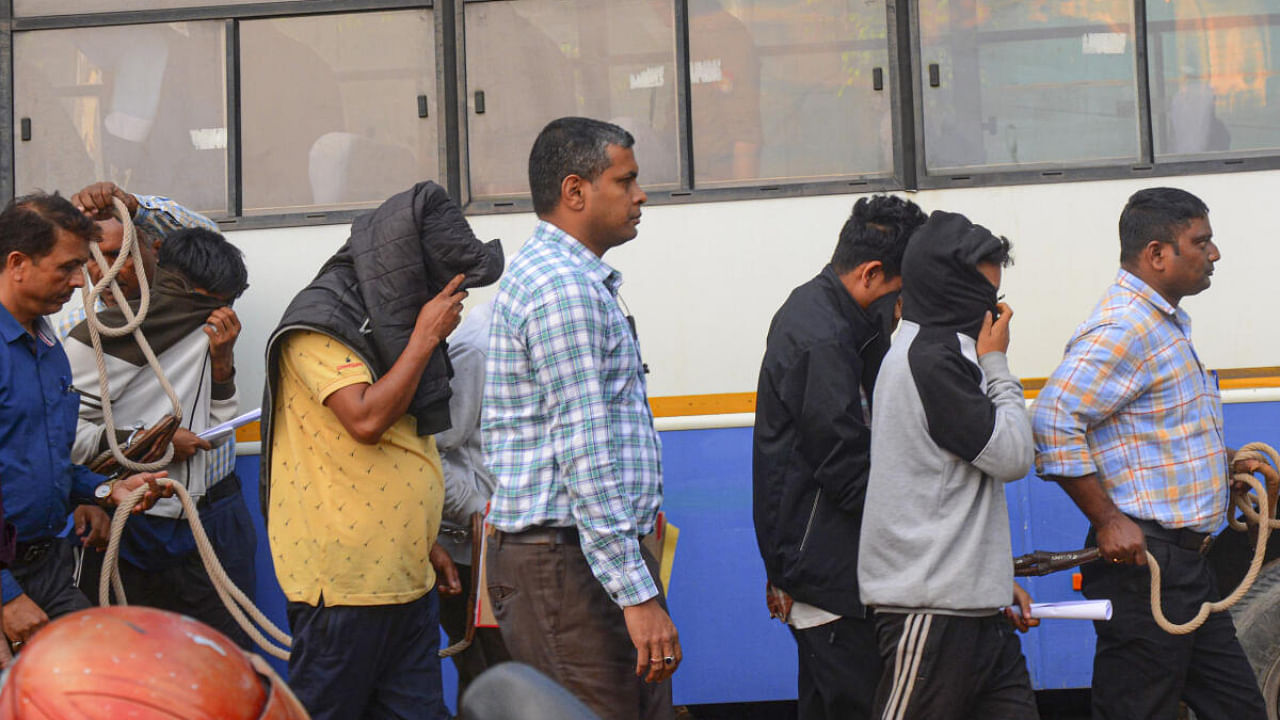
[
  {"x": 1257, "y": 513},
  {"x": 231, "y": 595}
]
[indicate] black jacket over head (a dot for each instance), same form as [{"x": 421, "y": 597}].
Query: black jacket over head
[
  {"x": 947, "y": 296},
  {"x": 812, "y": 443},
  {"x": 368, "y": 296}
]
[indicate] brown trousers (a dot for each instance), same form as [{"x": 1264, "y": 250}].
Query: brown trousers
[{"x": 556, "y": 617}]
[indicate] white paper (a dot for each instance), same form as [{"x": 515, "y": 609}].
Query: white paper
[
  {"x": 1072, "y": 610},
  {"x": 229, "y": 426}
]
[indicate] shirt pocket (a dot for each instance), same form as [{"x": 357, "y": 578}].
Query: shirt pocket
[{"x": 64, "y": 413}]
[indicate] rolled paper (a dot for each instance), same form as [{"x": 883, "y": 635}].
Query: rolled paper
[
  {"x": 1072, "y": 610},
  {"x": 230, "y": 426}
]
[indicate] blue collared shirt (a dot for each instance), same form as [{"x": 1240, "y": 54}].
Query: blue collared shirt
[{"x": 38, "y": 413}]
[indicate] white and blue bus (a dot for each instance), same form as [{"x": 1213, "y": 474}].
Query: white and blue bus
[{"x": 758, "y": 124}]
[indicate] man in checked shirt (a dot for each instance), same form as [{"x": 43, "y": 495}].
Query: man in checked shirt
[
  {"x": 1130, "y": 424},
  {"x": 569, "y": 436}
]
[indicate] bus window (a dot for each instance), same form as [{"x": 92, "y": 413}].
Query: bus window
[
  {"x": 1007, "y": 85},
  {"x": 533, "y": 61},
  {"x": 785, "y": 90},
  {"x": 134, "y": 104},
  {"x": 25, "y": 8},
  {"x": 1213, "y": 77},
  {"x": 330, "y": 109}
]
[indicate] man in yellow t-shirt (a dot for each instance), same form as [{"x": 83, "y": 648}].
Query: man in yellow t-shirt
[{"x": 355, "y": 504}]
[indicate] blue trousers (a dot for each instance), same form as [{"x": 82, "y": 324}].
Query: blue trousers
[{"x": 379, "y": 661}]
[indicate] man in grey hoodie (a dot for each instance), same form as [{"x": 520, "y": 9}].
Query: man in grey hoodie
[{"x": 949, "y": 428}]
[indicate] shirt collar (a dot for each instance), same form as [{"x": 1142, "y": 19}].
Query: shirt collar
[
  {"x": 591, "y": 265},
  {"x": 1133, "y": 283},
  {"x": 11, "y": 329}
]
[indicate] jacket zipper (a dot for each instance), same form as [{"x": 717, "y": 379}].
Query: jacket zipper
[{"x": 809, "y": 525}]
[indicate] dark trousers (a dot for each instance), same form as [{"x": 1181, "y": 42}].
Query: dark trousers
[
  {"x": 374, "y": 662},
  {"x": 1140, "y": 672},
  {"x": 556, "y": 616},
  {"x": 49, "y": 579},
  {"x": 486, "y": 649},
  {"x": 184, "y": 586},
  {"x": 942, "y": 667},
  {"x": 839, "y": 669}
]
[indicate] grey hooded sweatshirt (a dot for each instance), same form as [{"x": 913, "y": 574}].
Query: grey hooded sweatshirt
[{"x": 949, "y": 429}]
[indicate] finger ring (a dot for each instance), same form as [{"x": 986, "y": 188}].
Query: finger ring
[
  {"x": 1115, "y": 560},
  {"x": 655, "y": 661},
  {"x": 668, "y": 660}
]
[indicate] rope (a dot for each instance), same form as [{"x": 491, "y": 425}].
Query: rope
[
  {"x": 238, "y": 604},
  {"x": 97, "y": 329},
  {"x": 1256, "y": 514}
]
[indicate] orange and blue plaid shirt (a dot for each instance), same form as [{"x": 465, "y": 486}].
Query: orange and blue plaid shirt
[{"x": 1132, "y": 402}]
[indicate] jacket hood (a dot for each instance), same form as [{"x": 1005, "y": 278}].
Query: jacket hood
[{"x": 941, "y": 284}]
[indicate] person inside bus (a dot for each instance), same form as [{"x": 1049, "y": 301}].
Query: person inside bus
[
  {"x": 192, "y": 330},
  {"x": 568, "y": 433},
  {"x": 949, "y": 428},
  {"x": 44, "y": 243},
  {"x": 812, "y": 452},
  {"x": 1130, "y": 425}
]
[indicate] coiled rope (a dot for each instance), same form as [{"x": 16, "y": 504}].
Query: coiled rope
[
  {"x": 1257, "y": 513},
  {"x": 236, "y": 601}
]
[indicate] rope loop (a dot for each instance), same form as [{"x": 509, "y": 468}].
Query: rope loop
[{"x": 1257, "y": 513}]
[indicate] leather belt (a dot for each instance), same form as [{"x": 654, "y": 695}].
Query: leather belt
[
  {"x": 28, "y": 553},
  {"x": 539, "y": 536},
  {"x": 224, "y": 488},
  {"x": 1184, "y": 538}
]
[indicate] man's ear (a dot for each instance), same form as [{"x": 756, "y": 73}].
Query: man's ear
[
  {"x": 1156, "y": 254},
  {"x": 869, "y": 272},
  {"x": 15, "y": 264},
  {"x": 572, "y": 195}
]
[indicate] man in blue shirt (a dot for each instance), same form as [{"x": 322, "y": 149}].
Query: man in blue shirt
[{"x": 44, "y": 244}]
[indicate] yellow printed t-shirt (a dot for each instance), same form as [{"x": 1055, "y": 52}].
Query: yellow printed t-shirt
[{"x": 351, "y": 522}]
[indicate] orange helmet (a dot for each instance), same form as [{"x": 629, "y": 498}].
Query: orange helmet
[{"x": 138, "y": 662}]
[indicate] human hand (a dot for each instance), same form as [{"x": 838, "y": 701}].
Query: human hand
[
  {"x": 222, "y": 327},
  {"x": 1120, "y": 540},
  {"x": 23, "y": 619},
  {"x": 655, "y": 638},
  {"x": 93, "y": 526},
  {"x": 447, "y": 580},
  {"x": 441, "y": 314},
  {"x": 186, "y": 443},
  {"x": 95, "y": 200},
  {"x": 994, "y": 335},
  {"x": 778, "y": 602},
  {"x": 121, "y": 489},
  {"x": 1020, "y": 618}
]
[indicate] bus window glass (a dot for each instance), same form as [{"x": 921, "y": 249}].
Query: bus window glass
[
  {"x": 330, "y": 109},
  {"x": 28, "y": 8},
  {"x": 1011, "y": 84},
  {"x": 1214, "y": 81},
  {"x": 532, "y": 61},
  {"x": 141, "y": 105},
  {"x": 785, "y": 90}
]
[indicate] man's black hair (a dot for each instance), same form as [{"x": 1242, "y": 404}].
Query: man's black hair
[
  {"x": 207, "y": 260},
  {"x": 27, "y": 224},
  {"x": 570, "y": 146},
  {"x": 1156, "y": 214},
  {"x": 877, "y": 229}
]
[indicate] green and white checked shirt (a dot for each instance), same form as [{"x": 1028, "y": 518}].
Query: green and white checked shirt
[{"x": 566, "y": 422}]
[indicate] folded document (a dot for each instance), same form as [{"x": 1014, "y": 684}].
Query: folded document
[{"x": 218, "y": 431}]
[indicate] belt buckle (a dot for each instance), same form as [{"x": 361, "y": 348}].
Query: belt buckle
[
  {"x": 34, "y": 553},
  {"x": 1206, "y": 544}
]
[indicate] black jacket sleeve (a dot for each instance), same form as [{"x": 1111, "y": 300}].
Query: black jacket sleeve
[
  {"x": 960, "y": 416},
  {"x": 834, "y": 440}
]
